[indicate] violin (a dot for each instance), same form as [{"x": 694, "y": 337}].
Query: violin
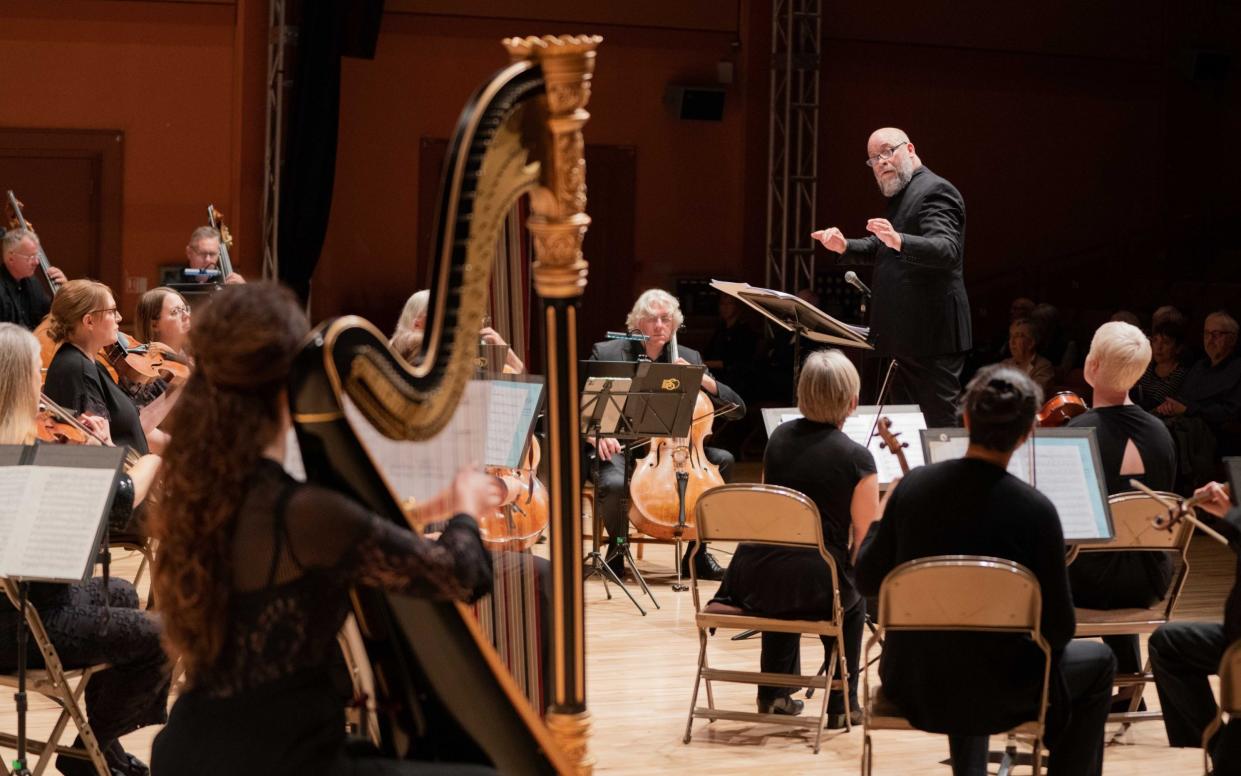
[
  {"x": 675, "y": 472},
  {"x": 55, "y": 424},
  {"x": 1060, "y": 409}
]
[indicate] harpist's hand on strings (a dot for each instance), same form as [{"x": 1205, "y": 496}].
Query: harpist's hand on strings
[
  {"x": 1214, "y": 497},
  {"x": 882, "y": 228},
  {"x": 832, "y": 239}
]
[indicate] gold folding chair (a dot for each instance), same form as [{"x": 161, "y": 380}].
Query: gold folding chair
[
  {"x": 955, "y": 593},
  {"x": 1229, "y": 698},
  {"x": 765, "y": 514},
  {"x": 1133, "y": 515},
  {"x": 64, "y": 686}
]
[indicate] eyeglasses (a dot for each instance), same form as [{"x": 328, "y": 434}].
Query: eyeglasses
[
  {"x": 207, "y": 254},
  {"x": 884, "y": 155},
  {"x": 180, "y": 311},
  {"x": 26, "y": 256},
  {"x": 112, "y": 311},
  {"x": 1218, "y": 333},
  {"x": 665, "y": 319}
]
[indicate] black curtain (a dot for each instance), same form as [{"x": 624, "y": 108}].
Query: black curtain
[{"x": 326, "y": 30}]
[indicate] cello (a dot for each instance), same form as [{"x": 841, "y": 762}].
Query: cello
[
  {"x": 668, "y": 482},
  {"x": 1060, "y": 409}
]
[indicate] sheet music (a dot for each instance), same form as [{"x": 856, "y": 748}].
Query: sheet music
[
  {"x": 54, "y": 534},
  {"x": 422, "y": 469},
  {"x": 510, "y": 416},
  {"x": 13, "y": 481},
  {"x": 907, "y": 423},
  {"x": 1063, "y": 470}
]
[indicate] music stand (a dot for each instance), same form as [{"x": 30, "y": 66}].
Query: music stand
[
  {"x": 794, "y": 314},
  {"x": 629, "y": 401}
]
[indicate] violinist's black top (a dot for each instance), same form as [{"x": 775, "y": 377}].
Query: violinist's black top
[
  {"x": 80, "y": 384},
  {"x": 268, "y": 700}
]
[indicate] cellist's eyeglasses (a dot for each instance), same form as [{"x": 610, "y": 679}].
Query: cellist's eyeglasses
[{"x": 180, "y": 311}]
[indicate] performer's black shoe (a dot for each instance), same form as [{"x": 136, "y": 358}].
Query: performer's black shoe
[
  {"x": 706, "y": 565},
  {"x": 836, "y": 721},
  {"x": 782, "y": 705}
]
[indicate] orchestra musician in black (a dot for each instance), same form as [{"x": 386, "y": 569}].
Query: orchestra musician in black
[{"x": 656, "y": 315}]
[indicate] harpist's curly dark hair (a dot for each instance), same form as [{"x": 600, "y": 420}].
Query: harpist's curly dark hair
[
  {"x": 1001, "y": 402},
  {"x": 245, "y": 341}
]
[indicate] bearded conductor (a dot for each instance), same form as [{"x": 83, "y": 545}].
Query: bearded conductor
[{"x": 920, "y": 314}]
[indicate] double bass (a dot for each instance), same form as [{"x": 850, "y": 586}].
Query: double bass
[{"x": 667, "y": 483}]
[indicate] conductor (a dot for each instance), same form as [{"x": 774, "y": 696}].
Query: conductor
[{"x": 920, "y": 313}]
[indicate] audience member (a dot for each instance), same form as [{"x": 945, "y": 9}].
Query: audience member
[
  {"x": 1054, "y": 342},
  {"x": 1166, "y": 371},
  {"x": 1023, "y": 345},
  {"x": 1203, "y": 414},
  {"x": 1126, "y": 316}
]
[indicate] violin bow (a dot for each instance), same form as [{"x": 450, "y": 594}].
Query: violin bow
[{"x": 1179, "y": 510}]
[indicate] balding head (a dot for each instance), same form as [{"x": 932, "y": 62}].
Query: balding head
[{"x": 893, "y": 173}]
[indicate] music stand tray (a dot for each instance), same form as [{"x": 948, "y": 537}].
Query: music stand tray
[{"x": 792, "y": 313}]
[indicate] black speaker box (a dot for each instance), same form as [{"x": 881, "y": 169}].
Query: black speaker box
[{"x": 696, "y": 103}]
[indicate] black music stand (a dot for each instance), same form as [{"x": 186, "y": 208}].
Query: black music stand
[{"x": 629, "y": 401}]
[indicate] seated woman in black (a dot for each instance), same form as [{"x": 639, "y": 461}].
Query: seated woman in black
[
  {"x": 970, "y": 685},
  {"x": 87, "y": 623},
  {"x": 84, "y": 321},
  {"x": 254, "y": 569},
  {"x": 1133, "y": 444},
  {"x": 811, "y": 455}
]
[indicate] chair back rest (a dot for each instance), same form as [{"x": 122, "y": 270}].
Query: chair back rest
[
  {"x": 1133, "y": 516},
  {"x": 769, "y": 514},
  {"x": 961, "y": 592},
  {"x": 1230, "y": 680}
]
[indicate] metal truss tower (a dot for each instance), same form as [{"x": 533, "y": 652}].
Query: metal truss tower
[
  {"x": 278, "y": 40},
  {"x": 793, "y": 143}
]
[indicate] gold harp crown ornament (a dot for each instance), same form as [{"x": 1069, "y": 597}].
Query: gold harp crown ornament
[{"x": 520, "y": 133}]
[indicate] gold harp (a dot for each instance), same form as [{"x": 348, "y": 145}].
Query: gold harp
[{"x": 442, "y": 688}]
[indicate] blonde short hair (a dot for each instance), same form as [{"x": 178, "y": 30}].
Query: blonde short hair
[
  {"x": 19, "y": 378},
  {"x": 646, "y": 304},
  {"x": 827, "y": 387},
  {"x": 1120, "y": 353}
]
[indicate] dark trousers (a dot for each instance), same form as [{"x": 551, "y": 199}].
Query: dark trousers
[
  {"x": 1184, "y": 655},
  {"x": 781, "y": 654},
  {"x": 931, "y": 382},
  {"x": 610, "y": 489},
  {"x": 1088, "y": 668},
  {"x": 133, "y": 692}
]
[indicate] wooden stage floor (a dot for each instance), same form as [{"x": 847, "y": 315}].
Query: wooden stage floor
[{"x": 640, "y": 672}]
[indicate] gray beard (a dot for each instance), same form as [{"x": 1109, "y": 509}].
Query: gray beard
[{"x": 890, "y": 187}]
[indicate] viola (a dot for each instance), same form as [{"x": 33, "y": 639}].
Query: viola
[
  {"x": 675, "y": 472},
  {"x": 1060, "y": 409},
  {"x": 892, "y": 444}
]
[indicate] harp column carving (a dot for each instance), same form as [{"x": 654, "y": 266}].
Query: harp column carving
[{"x": 558, "y": 223}]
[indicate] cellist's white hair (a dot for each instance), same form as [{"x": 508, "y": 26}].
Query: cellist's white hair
[{"x": 646, "y": 304}]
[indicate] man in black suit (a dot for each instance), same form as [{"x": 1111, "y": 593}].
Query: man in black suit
[
  {"x": 23, "y": 299},
  {"x": 657, "y": 316},
  {"x": 920, "y": 314}
]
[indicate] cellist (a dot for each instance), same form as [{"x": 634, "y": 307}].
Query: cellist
[
  {"x": 22, "y": 299},
  {"x": 657, "y": 316}
]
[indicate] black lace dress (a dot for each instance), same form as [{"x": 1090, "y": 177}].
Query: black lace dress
[{"x": 268, "y": 705}]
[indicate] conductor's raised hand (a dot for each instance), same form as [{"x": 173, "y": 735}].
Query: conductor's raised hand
[
  {"x": 882, "y": 228},
  {"x": 832, "y": 239}
]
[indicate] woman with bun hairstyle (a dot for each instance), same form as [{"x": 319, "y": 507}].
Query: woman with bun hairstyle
[{"x": 970, "y": 685}]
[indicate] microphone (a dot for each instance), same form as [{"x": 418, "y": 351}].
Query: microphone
[{"x": 852, "y": 279}]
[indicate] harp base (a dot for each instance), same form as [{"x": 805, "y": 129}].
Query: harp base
[{"x": 572, "y": 732}]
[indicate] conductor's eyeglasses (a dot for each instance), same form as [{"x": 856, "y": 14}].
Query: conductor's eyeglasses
[{"x": 884, "y": 155}]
